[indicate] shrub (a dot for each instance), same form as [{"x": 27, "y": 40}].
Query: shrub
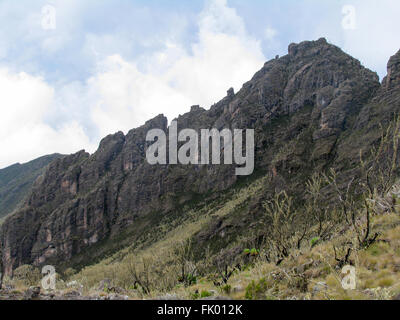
[
  {"x": 205, "y": 294},
  {"x": 386, "y": 282},
  {"x": 195, "y": 295},
  {"x": 251, "y": 252},
  {"x": 378, "y": 249},
  {"x": 257, "y": 290},
  {"x": 190, "y": 280},
  {"x": 254, "y": 252},
  {"x": 27, "y": 274},
  {"x": 227, "y": 288},
  {"x": 300, "y": 283},
  {"x": 68, "y": 273},
  {"x": 314, "y": 241}
]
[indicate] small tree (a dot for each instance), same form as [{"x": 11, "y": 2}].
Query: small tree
[
  {"x": 225, "y": 264},
  {"x": 185, "y": 260},
  {"x": 206, "y": 264},
  {"x": 347, "y": 196},
  {"x": 140, "y": 272},
  {"x": 342, "y": 256},
  {"x": 378, "y": 177},
  {"x": 288, "y": 228},
  {"x": 224, "y": 272},
  {"x": 317, "y": 210},
  {"x": 378, "y": 173}
]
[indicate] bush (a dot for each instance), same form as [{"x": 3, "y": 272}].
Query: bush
[
  {"x": 254, "y": 252},
  {"x": 227, "y": 288},
  {"x": 190, "y": 280},
  {"x": 27, "y": 274},
  {"x": 195, "y": 295},
  {"x": 69, "y": 273},
  {"x": 205, "y": 294},
  {"x": 300, "y": 283},
  {"x": 257, "y": 290},
  {"x": 251, "y": 252},
  {"x": 314, "y": 241}
]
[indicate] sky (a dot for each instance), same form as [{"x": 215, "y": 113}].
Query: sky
[{"x": 74, "y": 71}]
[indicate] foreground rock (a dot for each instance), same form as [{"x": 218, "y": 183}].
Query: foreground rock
[{"x": 34, "y": 293}]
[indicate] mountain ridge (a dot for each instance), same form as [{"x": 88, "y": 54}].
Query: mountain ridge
[{"x": 303, "y": 107}]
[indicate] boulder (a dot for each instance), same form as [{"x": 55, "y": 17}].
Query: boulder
[{"x": 32, "y": 293}]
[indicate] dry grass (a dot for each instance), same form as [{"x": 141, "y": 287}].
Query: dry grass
[
  {"x": 161, "y": 254},
  {"x": 377, "y": 268}
]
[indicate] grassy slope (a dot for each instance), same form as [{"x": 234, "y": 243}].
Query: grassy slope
[
  {"x": 309, "y": 273},
  {"x": 169, "y": 237},
  {"x": 377, "y": 270},
  {"x": 16, "y": 181}
]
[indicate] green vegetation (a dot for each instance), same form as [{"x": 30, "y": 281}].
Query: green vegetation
[
  {"x": 257, "y": 290},
  {"x": 264, "y": 239},
  {"x": 16, "y": 182},
  {"x": 295, "y": 250},
  {"x": 314, "y": 241},
  {"x": 27, "y": 275}
]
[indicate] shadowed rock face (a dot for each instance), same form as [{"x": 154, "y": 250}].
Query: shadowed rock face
[
  {"x": 300, "y": 105},
  {"x": 392, "y": 80},
  {"x": 16, "y": 182}
]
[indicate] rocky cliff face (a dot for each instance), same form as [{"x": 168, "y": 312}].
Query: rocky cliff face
[
  {"x": 16, "y": 182},
  {"x": 303, "y": 107},
  {"x": 392, "y": 80}
]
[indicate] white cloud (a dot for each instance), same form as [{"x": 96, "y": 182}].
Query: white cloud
[
  {"x": 270, "y": 33},
  {"x": 137, "y": 71},
  {"x": 24, "y": 135},
  {"x": 174, "y": 78},
  {"x": 122, "y": 94},
  {"x": 374, "y": 38},
  {"x": 122, "y": 97}
]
